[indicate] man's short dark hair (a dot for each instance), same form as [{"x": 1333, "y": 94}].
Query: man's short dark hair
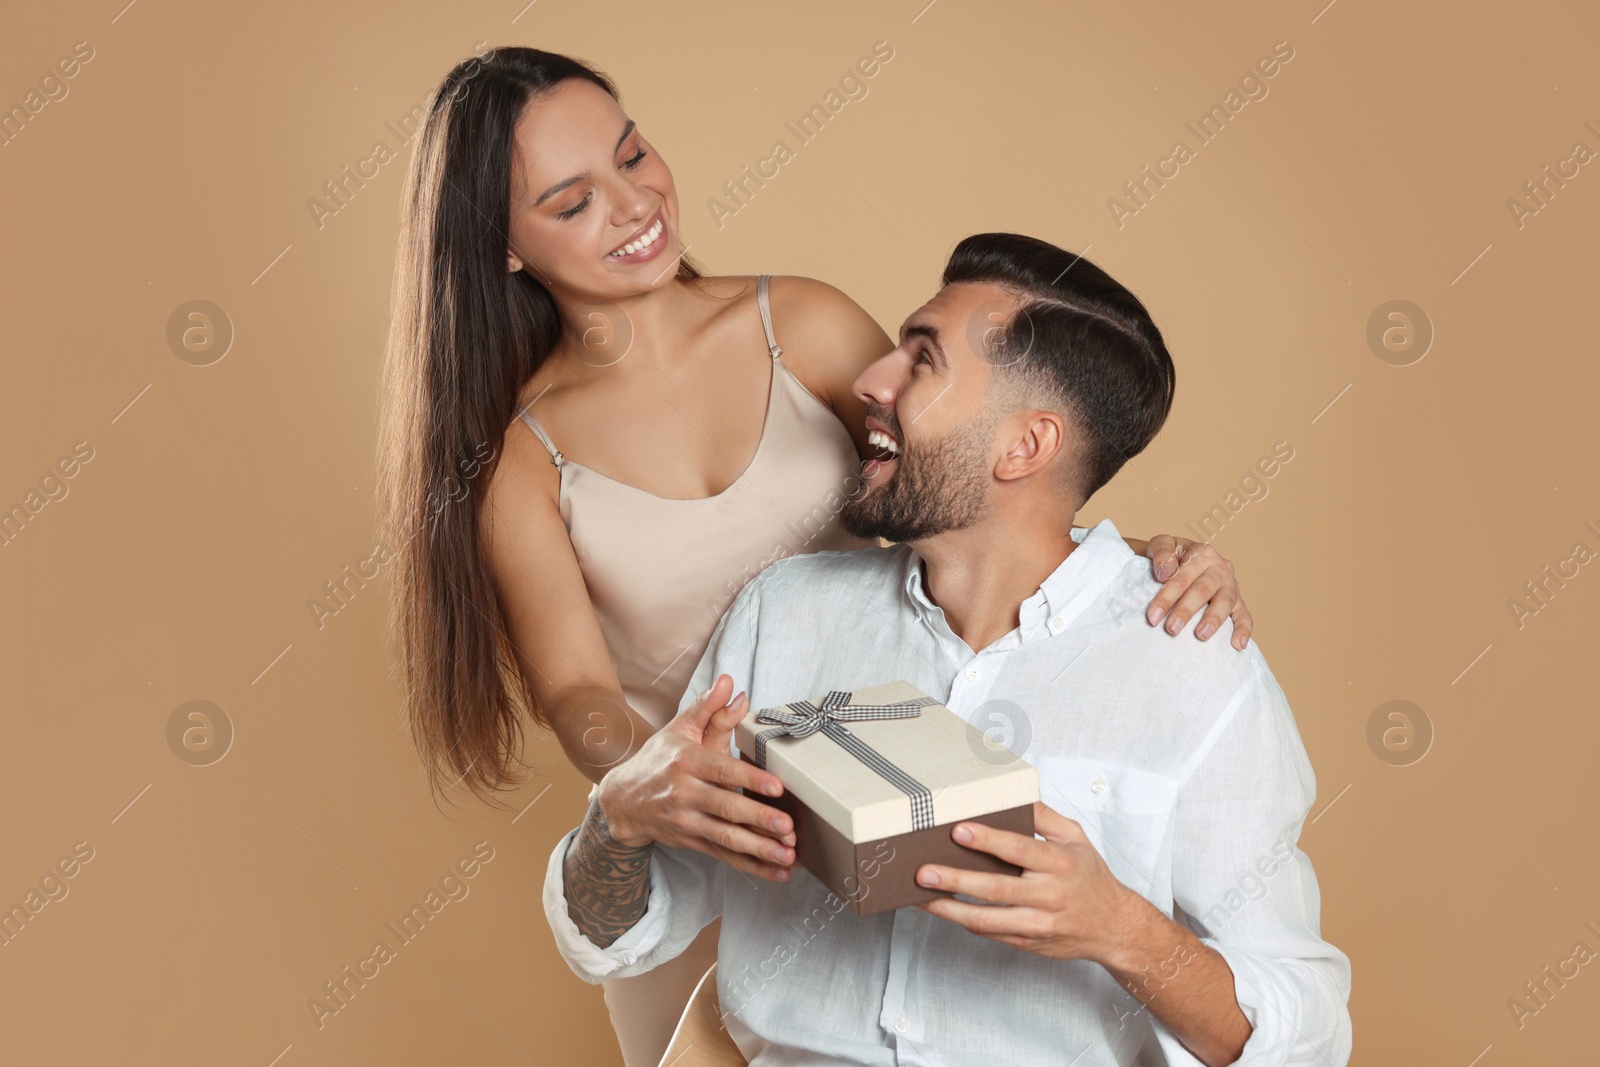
[{"x": 1079, "y": 337}]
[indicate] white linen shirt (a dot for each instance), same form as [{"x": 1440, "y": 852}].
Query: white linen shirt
[{"x": 1180, "y": 759}]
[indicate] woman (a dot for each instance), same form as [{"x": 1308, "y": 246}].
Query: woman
[{"x": 671, "y": 447}]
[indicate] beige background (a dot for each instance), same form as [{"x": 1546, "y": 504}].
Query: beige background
[{"x": 179, "y": 567}]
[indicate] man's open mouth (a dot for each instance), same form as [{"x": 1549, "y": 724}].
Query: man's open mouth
[{"x": 888, "y": 451}]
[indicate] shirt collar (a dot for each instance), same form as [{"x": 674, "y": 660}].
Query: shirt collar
[{"x": 1062, "y": 597}]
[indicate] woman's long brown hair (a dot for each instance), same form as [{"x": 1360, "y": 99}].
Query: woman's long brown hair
[{"x": 465, "y": 335}]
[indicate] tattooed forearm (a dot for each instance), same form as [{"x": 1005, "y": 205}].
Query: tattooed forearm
[{"x": 608, "y": 884}]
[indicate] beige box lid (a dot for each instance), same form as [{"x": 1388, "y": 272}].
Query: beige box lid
[{"x": 966, "y": 775}]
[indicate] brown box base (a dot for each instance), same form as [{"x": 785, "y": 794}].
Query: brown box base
[{"x": 881, "y": 875}]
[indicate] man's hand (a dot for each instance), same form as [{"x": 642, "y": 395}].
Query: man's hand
[
  {"x": 682, "y": 789},
  {"x": 1067, "y": 905}
]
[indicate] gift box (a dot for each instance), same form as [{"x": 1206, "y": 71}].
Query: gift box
[{"x": 875, "y": 778}]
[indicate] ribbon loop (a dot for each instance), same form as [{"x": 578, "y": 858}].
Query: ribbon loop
[{"x": 803, "y": 718}]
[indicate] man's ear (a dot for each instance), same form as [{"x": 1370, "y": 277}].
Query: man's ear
[{"x": 1041, "y": 437}]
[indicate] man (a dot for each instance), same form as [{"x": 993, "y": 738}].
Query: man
[{"x": 1171, "y": 771}]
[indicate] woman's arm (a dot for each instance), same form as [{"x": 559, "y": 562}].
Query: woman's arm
[
  {"x": 563, "y": 658},
  {"x": 550, "y": 622}
]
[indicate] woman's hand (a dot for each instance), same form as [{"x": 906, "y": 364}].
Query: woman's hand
[
  {"x": 681, "y": 789},
  {"x": 1194, "y": 575}
]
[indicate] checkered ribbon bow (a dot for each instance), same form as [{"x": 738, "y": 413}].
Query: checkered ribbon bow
[{"x": 803, "y": 718}]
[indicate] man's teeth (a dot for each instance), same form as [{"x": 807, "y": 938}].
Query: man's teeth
[
  {"x": 646, "y": 241},
  {"x": 883, "y": 441}
]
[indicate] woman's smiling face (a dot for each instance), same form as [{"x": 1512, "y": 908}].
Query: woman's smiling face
[{"x": 594, "y": 213}]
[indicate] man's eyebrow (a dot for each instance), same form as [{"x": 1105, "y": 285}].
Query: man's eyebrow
[
  {"x": 556, "y": 188},
  {"x": 932, "y": 334}
]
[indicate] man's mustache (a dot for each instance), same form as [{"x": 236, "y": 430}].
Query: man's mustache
[{"x": 886, "y": 418}]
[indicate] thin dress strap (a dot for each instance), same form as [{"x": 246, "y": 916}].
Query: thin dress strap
[
  {"x": 544, "y": 437},
  {"x": 766, "y": 315}
]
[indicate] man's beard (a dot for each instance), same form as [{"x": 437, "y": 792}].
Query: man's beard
[{"x": 936, "y": 487}]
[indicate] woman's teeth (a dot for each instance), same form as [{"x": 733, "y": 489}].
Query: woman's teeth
[
  {"x": 646, "y": 241},
  {"x": 882, "y": 440}
]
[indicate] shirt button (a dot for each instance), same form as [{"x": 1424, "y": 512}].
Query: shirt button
[
  {"x": 1098, "y": 786},
  {"x": 972, "y": 674},
  {"x": 1056, "y": 624},
  {"x": 901, "y": 1025}
]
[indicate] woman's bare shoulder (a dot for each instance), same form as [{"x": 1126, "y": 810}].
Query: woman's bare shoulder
[
  {"x": 806, "y": 302},
  {"x": 826, "y": 336},
  {"x": 524, "y": 481},
  {"x": 814, "y": 299}
]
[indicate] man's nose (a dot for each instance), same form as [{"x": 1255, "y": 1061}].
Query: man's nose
[{"x": 880, "y": 383}]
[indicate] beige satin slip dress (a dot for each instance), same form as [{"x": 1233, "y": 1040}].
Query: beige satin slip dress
[{"x": 661, "y": 571}]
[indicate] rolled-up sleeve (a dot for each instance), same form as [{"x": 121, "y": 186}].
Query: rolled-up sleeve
[
  {"x": 685, "y": 895},
  {"x": 1242, "y": 882},
  {"x": 1297, "y": 1010}
]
